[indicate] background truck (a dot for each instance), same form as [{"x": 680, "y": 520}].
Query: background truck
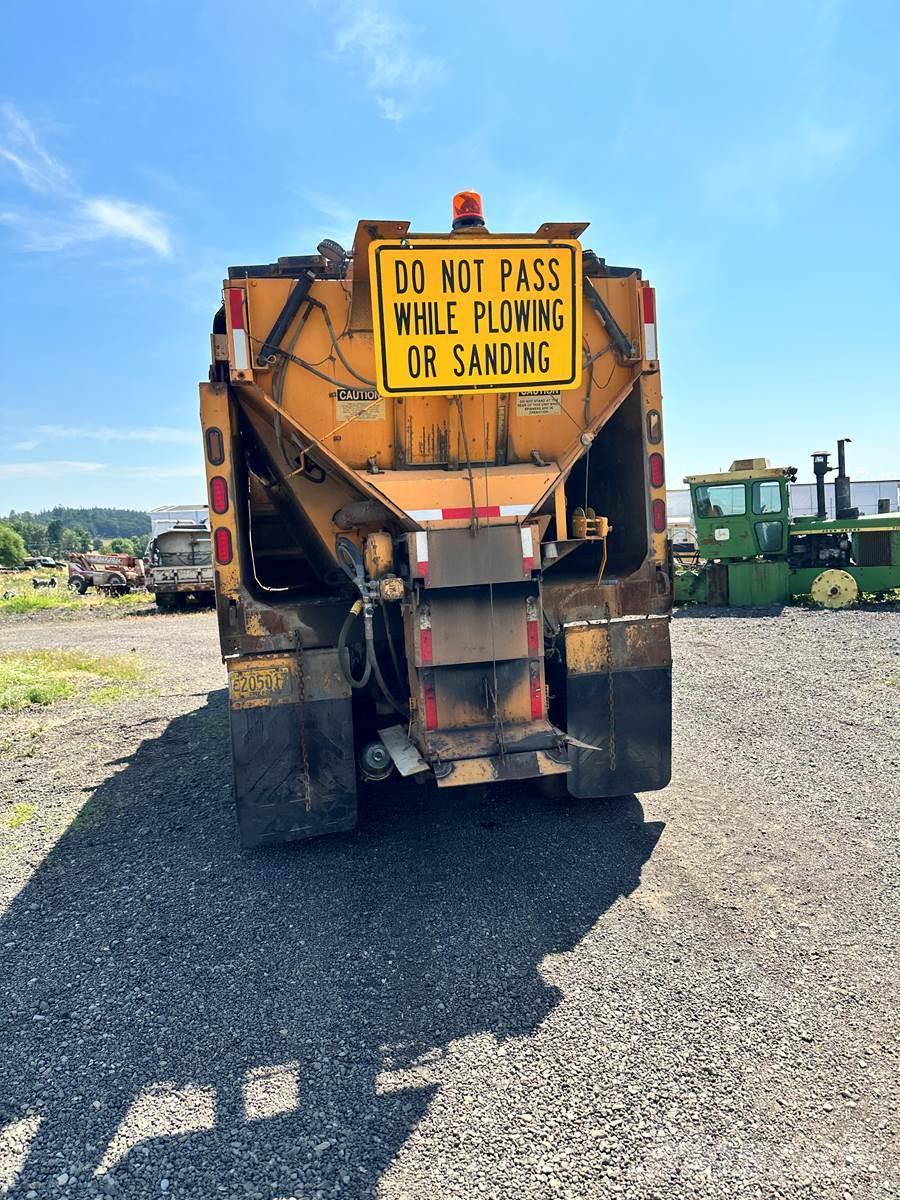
[
  {"x": 113, "y": 573},
  {"x": 750, "y": 551},
  {"x": 179, "y": 565},
  {"x": 437, "y": 496}
]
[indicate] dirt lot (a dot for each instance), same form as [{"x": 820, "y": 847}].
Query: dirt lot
[{"x": 691, "y": 993}]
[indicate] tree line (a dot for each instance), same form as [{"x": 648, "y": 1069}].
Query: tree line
[{"x": 61, "y": 531}]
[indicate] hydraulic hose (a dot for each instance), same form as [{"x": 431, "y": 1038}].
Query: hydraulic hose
[
  {"x": 344, "y": 653},
  {"x": 391, "y": 647},
  {"x": 372, "y": 664}
]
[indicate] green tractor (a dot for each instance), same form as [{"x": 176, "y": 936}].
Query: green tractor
[{"x": 750, "y": 551}]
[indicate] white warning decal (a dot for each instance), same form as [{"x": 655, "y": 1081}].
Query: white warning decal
[
  {"x": 537, "y": 403},
  {"x": 360, "y": 404}
]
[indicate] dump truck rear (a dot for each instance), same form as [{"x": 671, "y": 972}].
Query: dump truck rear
[{"x": 437, "y": 496}]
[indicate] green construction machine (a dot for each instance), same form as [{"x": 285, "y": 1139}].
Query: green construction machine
[{"x": 750, "y": 551}]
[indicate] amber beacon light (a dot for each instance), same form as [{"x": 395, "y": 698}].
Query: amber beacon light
[{"x": 467, "y": 210}]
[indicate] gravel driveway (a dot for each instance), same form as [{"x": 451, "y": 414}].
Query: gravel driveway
[{"x": 477, "y": 994}]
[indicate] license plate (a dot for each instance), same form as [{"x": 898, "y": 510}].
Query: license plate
[{"x": 259, "y": 685}]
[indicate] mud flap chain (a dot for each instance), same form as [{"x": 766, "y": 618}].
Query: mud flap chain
[
  {"x": 304, "y": 751},
  {"x": 611, "y": 695}
]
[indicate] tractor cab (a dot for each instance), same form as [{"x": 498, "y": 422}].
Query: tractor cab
[{"x": 743, "y": 512}]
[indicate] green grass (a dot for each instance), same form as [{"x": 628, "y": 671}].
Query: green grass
[
  {"x": 27, "y": 602},
  {"x": 36, "y": 678},
  {"x": 19, "y": 813},
  {"x": 28, "y": 599}
]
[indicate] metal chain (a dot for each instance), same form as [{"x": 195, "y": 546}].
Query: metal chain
[
  {"x": 611, "y": 694},
  {"x": 301, "y": 690}
]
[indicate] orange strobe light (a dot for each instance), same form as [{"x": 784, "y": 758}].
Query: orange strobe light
[{"x": 467, "y": 210}]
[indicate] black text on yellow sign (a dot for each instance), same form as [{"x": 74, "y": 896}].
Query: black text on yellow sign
[{"x": 456, "y": 316}]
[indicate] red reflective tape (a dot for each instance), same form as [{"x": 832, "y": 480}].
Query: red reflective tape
[
  {"x": 425, "y": 648},
  {"x": 236, "y": 307},
  {"x": 534, "y": 638},
  {"x": 430, "y": 700},
  {"x": 537, "y": 692},
  {"x": 421, "y": 554},
  {"x": 464, "y": 514},
  {"x": 648, "y": 297}
]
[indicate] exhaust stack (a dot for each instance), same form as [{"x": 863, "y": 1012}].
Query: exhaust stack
[
  {"x": 820, "y": 470},
  {"x": 842, "y": 498}
]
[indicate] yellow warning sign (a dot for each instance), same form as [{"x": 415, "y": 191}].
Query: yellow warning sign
[{"x": 478, "y": 315}]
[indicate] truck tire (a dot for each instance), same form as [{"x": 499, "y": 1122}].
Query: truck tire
[{"x": 165, "y": 601}]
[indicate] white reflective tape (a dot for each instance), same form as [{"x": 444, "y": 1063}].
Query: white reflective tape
[
  {"x": 240, "y": 360},
  {"x": 425, "y": 514},
  {"x": 650, "y": 342},
  {"x": 515, "y": 510},
  {"x": 527, "y": 542},
  {"x": 421, "y": 547}
]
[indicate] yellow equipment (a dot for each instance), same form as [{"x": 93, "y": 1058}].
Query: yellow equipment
[{"x": 407, "y": 448}]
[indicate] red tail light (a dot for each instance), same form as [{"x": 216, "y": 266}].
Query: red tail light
[
  {"x": 224, "y": 551},
  {"x": 659, "y": 516},
  {"x": 657, "y": 470},
  {"x": 218, "y": 495}
]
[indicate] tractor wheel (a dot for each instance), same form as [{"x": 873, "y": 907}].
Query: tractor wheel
[
  {"x": 117, "y": 584},
  {"x": 78, "y": 585},
  {"x": 834, "y": 589}
]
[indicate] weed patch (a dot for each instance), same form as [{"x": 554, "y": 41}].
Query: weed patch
[
  {"x": 41, "y": 677},
  {"x": 19, "y": 813}
]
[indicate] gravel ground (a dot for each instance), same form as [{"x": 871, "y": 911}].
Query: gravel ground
[{"x": 690, "y": 993}]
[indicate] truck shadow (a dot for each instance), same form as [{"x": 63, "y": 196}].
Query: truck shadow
[{"x": 277, "y": 1021}]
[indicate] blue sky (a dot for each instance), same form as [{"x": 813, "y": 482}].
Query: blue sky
[{"x": 745, "y": 156}]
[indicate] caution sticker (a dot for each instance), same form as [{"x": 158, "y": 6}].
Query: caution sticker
[
  {"x": 359, "y": 404},
  {"x": 538, "y": 403},
  {"x": 456, "y": 315}
]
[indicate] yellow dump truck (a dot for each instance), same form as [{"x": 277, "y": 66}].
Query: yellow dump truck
[{"x": 437, "y": 495}]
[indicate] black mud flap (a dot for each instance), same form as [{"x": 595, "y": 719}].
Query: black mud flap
[
  {"x": 273, "y": 730},
  {"x": 640, "y": 757}
]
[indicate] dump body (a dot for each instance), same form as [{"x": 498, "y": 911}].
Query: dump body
[
  {"x": 470, "y": 578},
  {"x": 180, "y": 565}
]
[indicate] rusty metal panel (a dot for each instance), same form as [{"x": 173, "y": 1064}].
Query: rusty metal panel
[
  {"x": 457, "y": 559},
  {"x": 479, "y": 741},
  {"x": 463, "y": 693},
  {"x": 527, "y": 765},
  {"x": 621, "y": 644},
  {"x": 467, "y": 628}
]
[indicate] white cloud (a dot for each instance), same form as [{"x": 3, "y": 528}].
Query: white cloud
[
  {"x": 68, "y": 216},
  {"x": 29, "y": 444},
  {"x": 396, "y": 68},
  {"x": 47, "y": 470},
  {"x": 108, "y": 433}
]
